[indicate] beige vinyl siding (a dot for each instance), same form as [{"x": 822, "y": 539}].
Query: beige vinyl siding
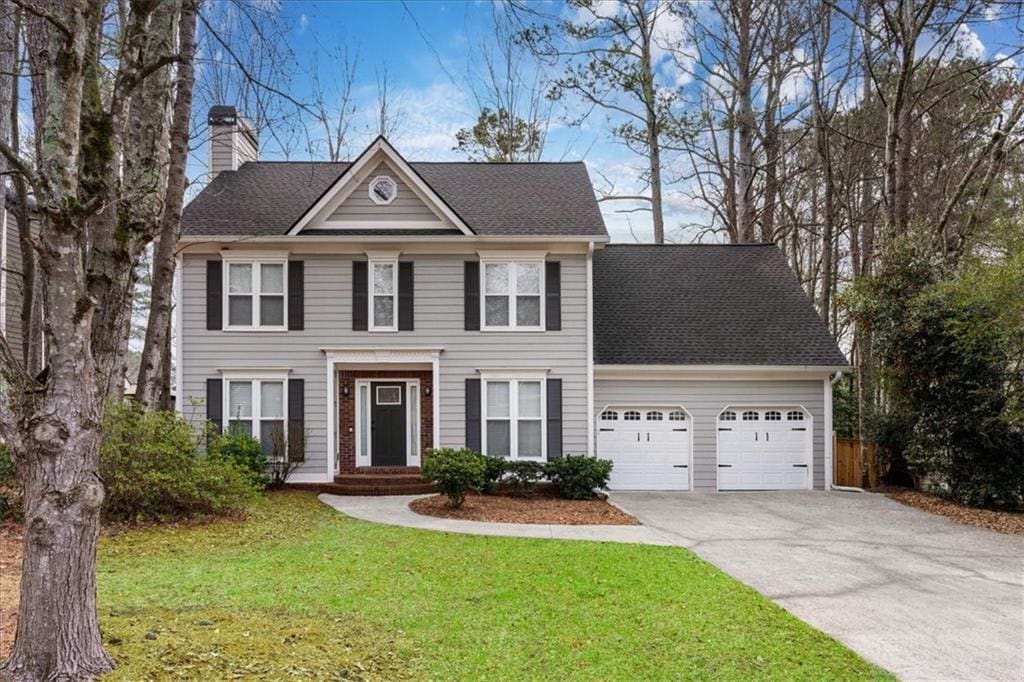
[
  {"x": 221, "y": 150},
  {"x": 705, "y": 399},
  {"x": 358, "y": 207},
  {"x": 439, "y": 323}
]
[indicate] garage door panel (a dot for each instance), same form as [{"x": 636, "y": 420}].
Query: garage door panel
[
  {"x": 649, "y": 451},
  {"x": 763, "y": 449}
]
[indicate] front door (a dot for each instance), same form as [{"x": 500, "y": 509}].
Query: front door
[{"x": 387, "y": 424}]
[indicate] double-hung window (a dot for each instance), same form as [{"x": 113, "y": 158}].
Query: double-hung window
[
  {"x": 513, "y": 411},
  {"x": 384, "y": 299},
  {"x": 513, "y": 294},
  {"x": 255, "y": 294},
  {"x": 257, "y": 407}
]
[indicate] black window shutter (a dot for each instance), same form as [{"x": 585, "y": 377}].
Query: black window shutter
[
  {"x": 215, "y": 402},
  {"x": 553, "y": 295},
  {"x": 405, "y": 296},
  {"x": 214, "y": 295},
  {"x": 471, "y": 286},
  {"x": 296, "y": 295},
  {"x": 554, "y": 418},
  {"x": 296, "y": 420},
  {"x": 473, "y": 414},
  {"x": 359, "y": 299}
]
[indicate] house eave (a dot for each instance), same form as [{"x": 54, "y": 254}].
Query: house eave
[{"x": 723, "y": 372}]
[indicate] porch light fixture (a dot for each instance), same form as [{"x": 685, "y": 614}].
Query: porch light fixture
[
  {"x": 344, "y": 390},
  {"x": 426, "y": 391}
]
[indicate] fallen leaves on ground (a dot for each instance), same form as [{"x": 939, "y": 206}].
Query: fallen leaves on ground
[
  {"x": 542, "y": 508},
  {"x": 1011, "y": 523},
  {"x": 10, "y": 580},
  {"x": 205, "y": 644}
]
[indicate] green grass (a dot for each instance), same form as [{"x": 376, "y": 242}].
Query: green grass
[{"x": 298, "y": 590}]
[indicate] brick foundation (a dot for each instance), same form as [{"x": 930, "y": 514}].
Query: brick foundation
[{"x": 347, "y": 414}]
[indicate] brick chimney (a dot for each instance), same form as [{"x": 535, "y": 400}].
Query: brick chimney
[{"x": 232, "y": 139}]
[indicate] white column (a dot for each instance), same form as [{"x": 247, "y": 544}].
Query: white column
[
  {"x": 332, "y": 439},
  {"x": 435, "y": 400}
]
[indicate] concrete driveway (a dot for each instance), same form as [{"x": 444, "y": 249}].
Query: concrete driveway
[{"x": 919, "y": 595}]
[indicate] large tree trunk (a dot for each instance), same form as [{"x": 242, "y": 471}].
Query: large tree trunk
[
  {"x": 153, "y": 389},
  {"x": 51, "y": 422},
  {"x": 746, "y": 211}
]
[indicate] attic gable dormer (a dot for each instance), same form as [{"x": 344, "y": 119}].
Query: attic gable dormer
[{"x": 380, "y": 190}]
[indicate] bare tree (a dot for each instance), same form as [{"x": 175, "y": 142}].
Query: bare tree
[
  {"x": 509, "y": 87},
  {"x": 334, "y": 112},
  {"x": 389, "y": 110}
]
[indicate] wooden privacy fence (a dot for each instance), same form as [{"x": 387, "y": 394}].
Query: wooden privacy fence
[{"x": 848, "y": 466}]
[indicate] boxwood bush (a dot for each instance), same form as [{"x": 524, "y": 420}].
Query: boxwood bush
[
  {"x": 245, "y": 452},
  {"x": 577, "y": 476},
  {"x": 456, "y": 472},
  {"x": 523, "y": 475},
  {"x": 494, "y": 471}
]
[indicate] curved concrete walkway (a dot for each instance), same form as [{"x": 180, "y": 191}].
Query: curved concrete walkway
[{"x": 394, "y": 510}]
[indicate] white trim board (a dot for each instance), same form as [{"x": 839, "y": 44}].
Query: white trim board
[{"x": 713, "y": 372}]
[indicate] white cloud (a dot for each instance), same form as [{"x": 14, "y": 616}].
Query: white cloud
[
  {"x": 992, "y": 12},
  {"x": 797, "y": 82},
  {"x": 600, "y": 9},
  {"x": 968, "y": 43},
  {"x": 303, "y": 22}
]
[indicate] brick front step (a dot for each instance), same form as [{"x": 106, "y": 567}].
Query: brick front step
[
  {"x": 383, "y": 486},
  {"x": 379, "y": 479}
]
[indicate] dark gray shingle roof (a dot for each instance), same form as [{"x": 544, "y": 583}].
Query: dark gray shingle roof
[
  {"x": 704, "y": 305},
  {"x": 267, "y": 198}
]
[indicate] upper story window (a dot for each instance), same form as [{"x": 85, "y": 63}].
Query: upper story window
[
  {"x": 257, "y": 407},
  {"x": 255, "y": 294},
  {"x": 384, "y": 301},
  {"x": 512, "y": 294},
  {"x": 383, "y": 190},
  {"x": 514, "y": 418}
]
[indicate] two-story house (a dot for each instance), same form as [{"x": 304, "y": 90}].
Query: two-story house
[{"x": 372, "y": 309}]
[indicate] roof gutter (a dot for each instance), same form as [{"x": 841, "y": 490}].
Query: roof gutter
[{"x": 191, "y": 239}]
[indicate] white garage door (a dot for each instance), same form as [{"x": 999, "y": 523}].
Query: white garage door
[
  {"x": 649, "y": 447},
  {"x": 764, "y": 449}
]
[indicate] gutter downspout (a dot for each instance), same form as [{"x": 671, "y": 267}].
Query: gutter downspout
[
  {"x": 842, "y": 488},
  {"x": 590, "y": 351}
]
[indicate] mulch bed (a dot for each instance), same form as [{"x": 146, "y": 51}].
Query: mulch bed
[
  {"x": 544, "y": 508},
  {"x": 1011, "y": 523},
  {"x": 10, "y": 572}
]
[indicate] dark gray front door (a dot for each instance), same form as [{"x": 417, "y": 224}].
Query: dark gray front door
[{"x": 387, "y": 424}]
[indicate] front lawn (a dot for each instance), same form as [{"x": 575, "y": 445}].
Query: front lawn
[{"x": 300, "y": 590}]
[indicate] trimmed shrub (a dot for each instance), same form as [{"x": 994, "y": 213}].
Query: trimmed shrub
[
  {"x": 455, "y": 472},
  {"x": 245, "y": 452},
  {"x": 153, "y": 470},
  {"x": 494, "y": 471},
  {"x": 524, "y": 475},
  {"x": 577, "y": 476}
]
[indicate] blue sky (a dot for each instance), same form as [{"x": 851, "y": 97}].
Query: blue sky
[{"x": 430, "y": 50}]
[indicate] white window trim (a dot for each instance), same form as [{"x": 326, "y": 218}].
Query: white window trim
[
  {"x": 256, "y": 379},
  {"x": 393, "y": 262},
  {"x": 374, "y": 198},
  {"x": 513, "y": 379},
  {"x": 256, "y": 293},
  {"x": 512, "y": 295},
  {"x": 412, "y": 449}
]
